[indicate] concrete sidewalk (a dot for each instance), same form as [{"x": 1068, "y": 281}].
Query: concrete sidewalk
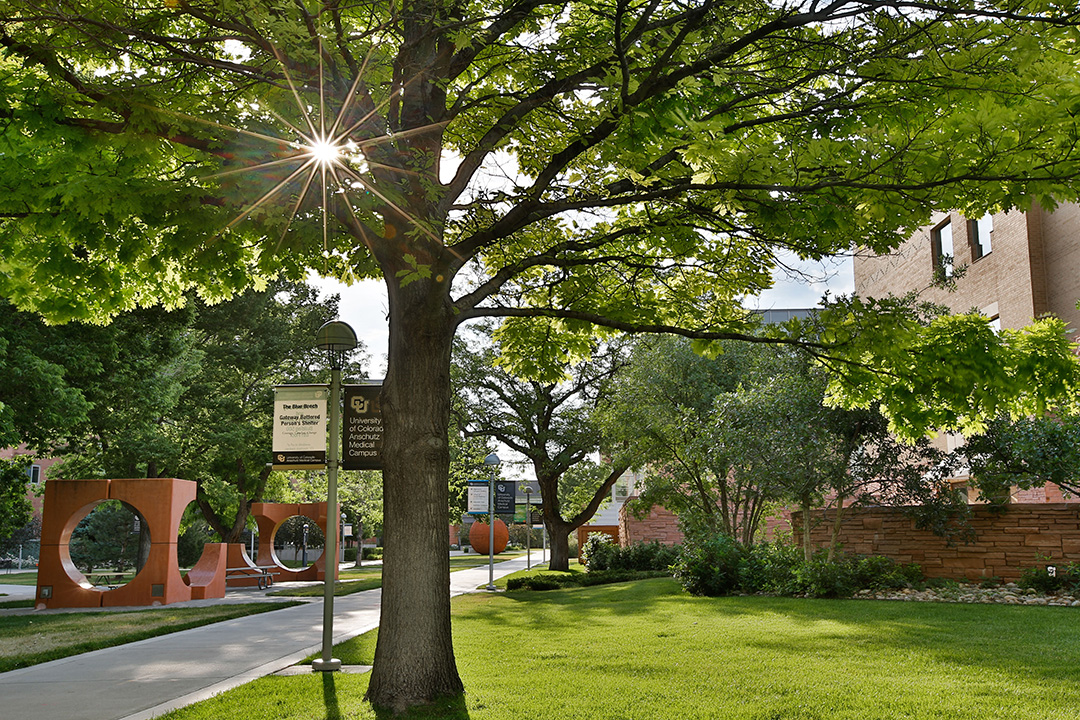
[{"x": 144, "y": 679}]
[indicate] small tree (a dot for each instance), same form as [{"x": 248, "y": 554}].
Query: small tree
[{"x": 15, "y": 509}]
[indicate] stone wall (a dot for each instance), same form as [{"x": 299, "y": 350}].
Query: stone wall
[
  {"x": 1023, "y": 536},
  {"x": 660, "y": 525}
]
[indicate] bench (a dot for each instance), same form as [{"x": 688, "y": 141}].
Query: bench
[
  {"x": 264, "y": 577},
  {"x": 109, "y": 580}
]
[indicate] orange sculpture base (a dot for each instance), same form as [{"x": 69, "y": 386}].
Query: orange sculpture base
[{"x": 161, "y": 503}]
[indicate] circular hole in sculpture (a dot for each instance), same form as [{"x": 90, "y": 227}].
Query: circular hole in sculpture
[
  {"x": 110, "y": 545},
  {"x": 298, "y": 542},
  {"x": 194, "y": 534}
]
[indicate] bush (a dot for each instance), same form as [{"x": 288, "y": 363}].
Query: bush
[
  {"x": 597, "y": 551},
  {"x": 769, "y": 567},
  {"x": 1066, "y": 578},
  {"x": 826, "y": 578},
  {"x": 601, "y": 553},
  {"x": 709, "y": 568},
  {"x": 538, "y": 582},
  {"x": 598, "y": 577},
  {"x": 350, "y": 554},
  {"x": 876, "y": 572}
]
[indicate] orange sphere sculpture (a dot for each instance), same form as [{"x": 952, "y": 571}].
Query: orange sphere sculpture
[{"x": 478, "y": 536}]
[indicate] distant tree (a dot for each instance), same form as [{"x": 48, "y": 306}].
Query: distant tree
[
  {"x": 15, "y": 509},
  {"x": 664, "y": 403},
  {"x": 189, "y": 393},
  {"x": 551, "y": 423},
  {"x": 107, "y": 537},
  {"x": 730, "y": 439}
]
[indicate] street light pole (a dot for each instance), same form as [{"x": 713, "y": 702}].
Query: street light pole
[
  {"x": 491, "y": 461},
  {"x": 337, "y": 340},
  {"x": 528, "y": 528}
]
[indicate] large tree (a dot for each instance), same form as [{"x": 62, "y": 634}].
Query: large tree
[
  {"x": 552, "y": 424},
  {"x": 631, "y": 164}
]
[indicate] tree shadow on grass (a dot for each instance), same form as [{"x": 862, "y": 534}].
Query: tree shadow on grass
[{"x": 1034, "y": 642}]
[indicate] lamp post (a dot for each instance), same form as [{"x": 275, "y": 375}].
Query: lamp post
[
  {"x": 528, "y": 528},
  {"x": 303, "y": 545},
  {"x": 337, "y": 340},
  {"x": 493, "y": 462},
  {"x": 341, "y": 545}
]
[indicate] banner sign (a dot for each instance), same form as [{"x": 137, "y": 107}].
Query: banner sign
[
  {"x": 363, "y": 428},
  {"x": 505, "y": 493},
  {"x": 299, "y": 440},
  {"x": 478, "y": 497}
]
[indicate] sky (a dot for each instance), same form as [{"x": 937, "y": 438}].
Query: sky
[{"x": 364, "y": 304}]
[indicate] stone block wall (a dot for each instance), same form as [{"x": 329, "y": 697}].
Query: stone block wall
[
  {"x": 660, "y": 525},
  {"x": 1023, "y": 536}
]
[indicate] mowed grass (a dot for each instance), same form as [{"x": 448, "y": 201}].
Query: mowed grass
[
  {"x": 19, "y": 578},
  {"x": 370, "y": 577},
  {"x": 648, "y": 651},
  {"x": 31, "y": 639}
]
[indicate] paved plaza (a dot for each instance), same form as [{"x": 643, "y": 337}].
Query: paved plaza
[{"x": 144, "y": 679}]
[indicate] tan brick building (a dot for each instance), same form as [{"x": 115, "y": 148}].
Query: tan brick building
[{"x": 1018, "y": 266}]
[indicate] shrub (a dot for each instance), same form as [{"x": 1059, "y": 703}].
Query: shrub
[
  {"x": 769, "y": 567},
  {"x": 537, "y": 582},
  {"x": 826, "y": 578},
  {"x": 597, "y": 551},
  {"x": 603, "y": 554},
  {"x": 598, "y": 577},
  {"x": 876, "y": 572},
  {"x": 709, "y": 568},
  {"x": 1066, "y": 578}
]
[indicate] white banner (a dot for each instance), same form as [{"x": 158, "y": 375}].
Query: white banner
[
  {"x": 300, "y": 426},
  {"x": 478, "y": 498}
]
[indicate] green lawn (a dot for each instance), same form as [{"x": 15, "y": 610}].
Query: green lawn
[
  {"x": 31, "y": 639},
  {"x": 370, "y": 577},
  {"x": 19, "y": 578},
  {"x": 648, "y": 651}
]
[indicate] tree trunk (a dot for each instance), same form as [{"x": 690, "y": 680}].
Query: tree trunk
[
  {"x": 808, "y": 552},
  {"x": 559, "y": 538},
  {"x": 414, "y": 656},
  {"x": 144, "y": 545}
]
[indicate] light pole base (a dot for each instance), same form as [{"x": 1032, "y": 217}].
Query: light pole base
[{"x": 331, "y": 665}]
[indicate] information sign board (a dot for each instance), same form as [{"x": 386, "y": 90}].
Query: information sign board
[
  {"x": 505, "y": 492},
  {"x": 299, "y": 436},
  {"x": 478, "y": 497},
  {"x": 363, "y": 428}
]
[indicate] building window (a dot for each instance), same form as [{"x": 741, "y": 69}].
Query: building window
[
  {"x": 979, "y": 232},
  {"x": 942, "y": 246},
  {"x": 33, "y": 473}
]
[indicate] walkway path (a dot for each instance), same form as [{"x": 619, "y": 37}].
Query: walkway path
[{"x": 144, "y": 679}]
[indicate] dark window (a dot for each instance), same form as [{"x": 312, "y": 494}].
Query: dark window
[
  {"x": 942, "y": 246},
  {"x": 979, "y": 232}
]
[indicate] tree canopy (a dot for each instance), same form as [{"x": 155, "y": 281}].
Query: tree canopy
[
  {"x": 630, "y": 164},
  {"x": 552, "y": 424}
]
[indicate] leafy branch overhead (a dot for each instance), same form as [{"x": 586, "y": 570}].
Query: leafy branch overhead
[{"x": 634, "y": 165}]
